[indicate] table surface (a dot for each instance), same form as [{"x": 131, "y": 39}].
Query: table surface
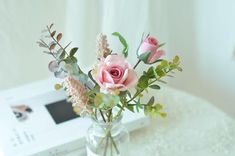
[{"x": 193, "y": 127}]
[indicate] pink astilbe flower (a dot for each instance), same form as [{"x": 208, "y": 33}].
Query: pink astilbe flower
[
  {"x": 102, "y": 46},
  {"x": 77, "y": 93}
]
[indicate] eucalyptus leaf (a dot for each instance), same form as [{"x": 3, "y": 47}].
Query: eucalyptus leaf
[
  {"x": 58, "y": 37},
  {"x": 47, "y": 52},
  {"x": 151, "y": 101},
  {"x": 73, "y": 51},
  {"x": 155, "y": 86},
  {"x": 60, "y": 74},
  {"x": 58, "y": 86},
  {"x": 158, "y": 107},
  {"x": 106, "y": 101},
  {"x": 51, "y": 25},
  {"x": 62, "y": 55},
  {"x": 176, "y": 60},
  {"x": 83, "y": 78},
  {"x": 74, "y": 59},
  {"x": 53, "y": 33},
  {"x": 179, "y": 69},
  {"x": 52, "y": 46},
  {"x": 53, "y": 66}
]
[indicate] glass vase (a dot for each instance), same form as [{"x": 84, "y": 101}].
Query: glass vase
[{"x": 107, "y": 138}]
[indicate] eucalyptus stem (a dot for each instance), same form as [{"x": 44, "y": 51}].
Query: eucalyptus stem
[{"x": 48, "y": 29}]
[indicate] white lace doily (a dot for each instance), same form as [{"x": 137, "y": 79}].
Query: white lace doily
[{"x": 194, "y": 127}]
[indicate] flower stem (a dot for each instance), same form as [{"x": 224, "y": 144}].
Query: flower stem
[
  {"x": 106, "y": 145},
  {"x": 102, "y": 115},
  {"x": 137, "y": 64},
  {"x": 114, "y": 144}
]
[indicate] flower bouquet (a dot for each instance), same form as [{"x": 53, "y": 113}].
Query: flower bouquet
[{"x": 104, "y": 92}]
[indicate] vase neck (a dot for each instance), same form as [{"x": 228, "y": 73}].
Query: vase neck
[{"x": 113, "y": 124}]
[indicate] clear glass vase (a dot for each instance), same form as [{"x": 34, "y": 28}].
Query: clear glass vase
[{"x": 107, "y": 139}]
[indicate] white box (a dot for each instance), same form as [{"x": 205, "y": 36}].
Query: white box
[{"x": 35, "y": 132}]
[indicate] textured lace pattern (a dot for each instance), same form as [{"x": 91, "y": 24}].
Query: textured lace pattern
[{"x": 194, "y": 127}]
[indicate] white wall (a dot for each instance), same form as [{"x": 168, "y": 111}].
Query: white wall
[
  {"x": 21, "y": 22},
  {"x": 202, "y": 32}
]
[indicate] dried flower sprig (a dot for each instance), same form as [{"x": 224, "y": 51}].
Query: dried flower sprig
[
  {"x": 76, "y": 92},
  {"x": 102, "y": 46}
]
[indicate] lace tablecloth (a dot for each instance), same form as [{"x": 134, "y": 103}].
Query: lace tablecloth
[{"x": 194, "y": 127}]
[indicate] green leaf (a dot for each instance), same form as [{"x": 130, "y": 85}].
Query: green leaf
[
  {"x": 150, "y": 71},
  {"x": 131, "y": 108},
  {"x": 74, "y": 59},
  {"x": 106, "y": 101},
  {"x": 164, "y": 82},
  {"x": 138, "y": 105},
  {"x": 161, "y": 45},
  {"x": 147, "y": 109},
  {"x": 179, "y": 69},
  {"x": 73, "y": 51},
  {"x": 128, "y": 93},
  {"x": 94, "y": 90},
  {"x": 62, "y": 55},
  {"x": 143, "y": 82},
  {"x": 98, "y": 99},
  {"x": 151, "y": 101},
  {"x": 176, "y": 60},
  {"x": 158, "y": 107},
  {"x": 123, "y": 41},
  {"x": 160, "y": 73},
  {"x": 164, "y": 64},
  {"x": 144, "y": 57},
  {"x": 68, "y": 60},
  {"x": 155, "y": 86},
  {"x": 163, "y": 114}
]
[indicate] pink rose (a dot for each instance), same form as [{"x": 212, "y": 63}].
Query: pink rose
[
  {"x": 114, "y": 74},
  {"x": 151, "y": 45}
]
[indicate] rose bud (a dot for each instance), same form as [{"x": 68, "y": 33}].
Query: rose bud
[{"x": 148, "y": 51}]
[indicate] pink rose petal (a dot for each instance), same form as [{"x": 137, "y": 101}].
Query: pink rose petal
[
  {"x": 107, "y": 77},
  {"x": 131, "y": 79},
  {"x": 115, "y": 74},
  {"x": 155, "y": 56}
]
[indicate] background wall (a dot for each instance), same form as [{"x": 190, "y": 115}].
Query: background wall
[
  {"x": 202, "y": 32},
  {"x": 21, "y": 23}
]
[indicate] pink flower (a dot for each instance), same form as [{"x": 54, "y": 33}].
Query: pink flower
[
  {"x": 77, "y": 92},
  {"x": 114, "y": 74},
  {"x": 151, "y": 45}
]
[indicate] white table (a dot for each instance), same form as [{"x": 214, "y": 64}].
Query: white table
[{"x": 194, "y": 127}]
